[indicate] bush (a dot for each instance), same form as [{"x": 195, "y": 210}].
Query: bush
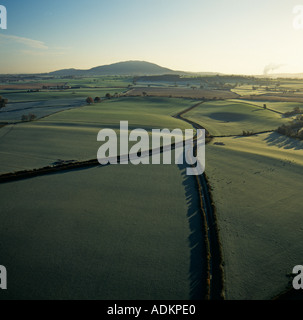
[
  {"x": 28, "y": 117},
  {"x": 32, "y": 117},
  {"x": 296, "y": 111},
  {"x": 90, "y": 100},
  {"x": 247, "y": 133},
  {"x": 97, "y": 99},
  {"x": 3, "y": 102},
  {"x": 294, "y": 129}
]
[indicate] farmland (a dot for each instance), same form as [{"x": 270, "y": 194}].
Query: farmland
[
  {"x": 136, "y": 232},
  {"x": 232, "y": 117},
  {"x": 96, "y": 234},
  {"x": 72, "y": 134},
  {"x": 256, "y": 184}
]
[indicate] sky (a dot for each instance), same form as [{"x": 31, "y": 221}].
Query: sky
[{"x": 227, "y": 36}]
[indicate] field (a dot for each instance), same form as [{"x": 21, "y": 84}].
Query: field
[
  {"x": 138, "y": 232},
  {"x": 97, "y": 234},
  {"x": 72, "y": 134},
  {"x": 256, "y": 184},
  {"x": 277, "y": 106},
  {"x": 182, "y": 93},
  {"x": 232, "y": 117},
  {"x": 46, "y": 95}
]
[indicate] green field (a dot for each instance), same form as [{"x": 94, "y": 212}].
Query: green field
[
  {"x": 23, "y": 95},
  {"x": 277, "y": 106},
  {"x": 232, "y": 117},
  {"x": 256, "y": 184},
  {"x": 106, "y": 233},
  {"x": 72, "y": 134},
  {"x": 247, "y": 90}
]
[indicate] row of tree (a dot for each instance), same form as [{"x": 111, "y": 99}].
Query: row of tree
[{"x": 90, "y": 100}]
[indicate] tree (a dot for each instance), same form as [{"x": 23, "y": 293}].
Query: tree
[
  {"x": 108, "y": 96},
  {"x": 265, "y": 106},
  {"x": 296, "y": 110},
  {"x": 90, "y": 100},
  {"x": 24, "y": 118},
  {"x": 32, "y": 117},
  {"x": 28, "y": 117},
  {"x": 97, "y": 99},
  {"x": 144, "y": 94},
  {"x": 3, "y": 102}
]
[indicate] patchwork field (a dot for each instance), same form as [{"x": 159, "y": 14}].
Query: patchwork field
[
  {"x": 115, "y": 232},
  {"x": 135, "y": 232},
  {"x": 256, "y": 184}
]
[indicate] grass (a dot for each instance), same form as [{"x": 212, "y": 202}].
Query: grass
[
  {"x": 256, "y": 185},
  {"x": 72, "y": 134},
  {"x": 180, "y": 92},
  {"x": 111, "y": 233},
  {"x": 24, "y": 96},
  {"x": 247, "y": 90},
  {"x": 277, "y": 106},
  {"x": 232, "y": 117}
]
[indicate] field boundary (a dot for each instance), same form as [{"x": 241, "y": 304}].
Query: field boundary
[
  {"x": 241, "y": 135},
  {"x": 214, "y": 254}
]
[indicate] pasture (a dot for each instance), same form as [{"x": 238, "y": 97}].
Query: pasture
[
  {"x": 72, "y": 134},
  {"x": 105, "y": 233},
  {"x": 256, "y": 185},
  {"x": 232, "y": 117}
]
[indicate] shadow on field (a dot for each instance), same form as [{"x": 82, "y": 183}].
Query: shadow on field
[
  {"x": 197, "y": 272},
  {"x": 281, "y": 141}
]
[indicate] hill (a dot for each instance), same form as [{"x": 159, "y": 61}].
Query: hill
[{"x": 130, "y": 68}]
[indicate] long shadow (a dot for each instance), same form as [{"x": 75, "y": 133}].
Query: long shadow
[
  {"x": 281, "y": 141},
  {"x": 198, "y": 265}
]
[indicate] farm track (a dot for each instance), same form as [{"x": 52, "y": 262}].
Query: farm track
[{"x": 214, "y": 277}]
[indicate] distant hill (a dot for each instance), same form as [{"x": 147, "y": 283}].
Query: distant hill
[{"x": 131, "y": 68}]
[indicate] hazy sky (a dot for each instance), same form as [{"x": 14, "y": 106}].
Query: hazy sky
[{"x": 229, "y": 36}]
